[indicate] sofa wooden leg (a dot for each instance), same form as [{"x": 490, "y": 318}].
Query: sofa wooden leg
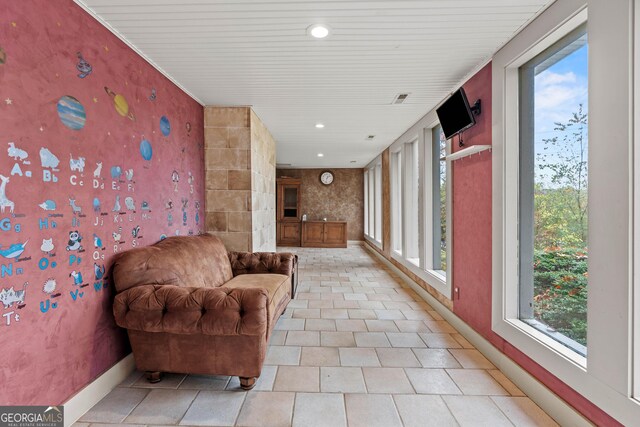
[
  {"x": 247, "y": 383},
  {"x": 154, "y": 376}
]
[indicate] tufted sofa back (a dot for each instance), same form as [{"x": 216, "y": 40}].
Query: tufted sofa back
[{"x": 184, "y": 261}]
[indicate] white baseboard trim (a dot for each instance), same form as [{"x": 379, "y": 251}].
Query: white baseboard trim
[
  {"x": 554, "y": 406},
  {"x": 86, "y": 398}
]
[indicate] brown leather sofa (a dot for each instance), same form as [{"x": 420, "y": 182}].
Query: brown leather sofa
[{"x": 191, "y": 307}]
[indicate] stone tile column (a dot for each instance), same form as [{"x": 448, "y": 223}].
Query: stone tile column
[{"x": 240, "y": 179}]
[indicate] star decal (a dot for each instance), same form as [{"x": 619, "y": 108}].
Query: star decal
[
  {"x": 41, "y": 129},
  {"x": 13, "y": 24},
  {"x": 95, "y": 99},
  {"x": 106, "y": 49},
  {"x": 8, "y": 101}
]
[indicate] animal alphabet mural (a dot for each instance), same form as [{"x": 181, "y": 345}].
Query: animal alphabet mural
[
  {"x": 8, "y": 297},
  {"x": 4, "y": 202},
  {"x": 67, "y": 152},
  {"x": 16, "y": 153}
]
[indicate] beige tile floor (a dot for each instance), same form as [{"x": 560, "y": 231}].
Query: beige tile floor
[{"x": 356, "y": 347}]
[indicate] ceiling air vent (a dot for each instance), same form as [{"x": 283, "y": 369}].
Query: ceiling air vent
[
  {"x": 400, "y": 98},
  {"x": 283, "y": 165},
  {"x": 370, "y": 137}
]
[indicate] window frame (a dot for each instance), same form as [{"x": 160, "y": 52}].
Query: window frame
[
  {"x": 377, "y": 208},
  {"x": 372, "y": 177},
  {"x": 526, "y": 198},
  {"x": 606, "y": 380},
  {"x": 366, "y": 202},
  {"x": 410, "y": 205},
  {"x": 396, "y": 189}
]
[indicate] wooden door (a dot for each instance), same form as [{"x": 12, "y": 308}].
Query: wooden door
[
  {"x": 289, "y": 233},
  {"x": 313, "y": 233},
  {"x": 335, "y": 233}
]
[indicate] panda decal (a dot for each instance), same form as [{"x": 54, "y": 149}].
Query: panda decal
[{"x": 74, "y": 241}]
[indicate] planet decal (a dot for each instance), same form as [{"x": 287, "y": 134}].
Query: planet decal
[
  {"x": 120, "y": 103},
  {"x": 71, "y": 112},
  {"x": 165, "y": 126},
  {"x": 145, "y": 149}
]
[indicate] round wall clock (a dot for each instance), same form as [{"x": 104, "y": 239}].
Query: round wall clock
[{"x": 326, "y": 178}]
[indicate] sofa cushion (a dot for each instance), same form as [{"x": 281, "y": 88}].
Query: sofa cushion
[
  {"x": 278, "y": 287},
  {"x": 184, "y": 261}
]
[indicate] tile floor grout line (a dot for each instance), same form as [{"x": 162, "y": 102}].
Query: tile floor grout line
[
  {"x": 244, "y": 399},
  {"x": 138, "y": 404}
]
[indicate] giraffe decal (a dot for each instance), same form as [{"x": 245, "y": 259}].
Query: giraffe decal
[{"x": 4, "y": 202}]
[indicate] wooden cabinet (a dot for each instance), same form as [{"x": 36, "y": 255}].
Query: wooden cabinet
[
  {"x": 324, "y": 234},
  {"x": 288, "y": 211}
]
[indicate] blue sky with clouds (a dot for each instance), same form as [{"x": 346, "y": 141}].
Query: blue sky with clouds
[{"x": 559, "y": 90}]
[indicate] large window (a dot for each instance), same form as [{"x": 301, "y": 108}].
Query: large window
[
  {"x": 373, "y": 202},
  {"x": 439, "y": 199},
  {"x": 410, "y": 207},
  {"x": 366, "y": 203},
  {"x": 553, "y": 200},
  {"x": 396, "y": 201}
]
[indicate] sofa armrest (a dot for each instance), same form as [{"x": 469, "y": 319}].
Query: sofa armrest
[
  {"x": 262, "y": 263},
  {"x": 177, "y": 310}
]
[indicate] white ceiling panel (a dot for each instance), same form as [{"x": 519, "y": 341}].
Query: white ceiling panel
[{"x": 258, "y": 53}]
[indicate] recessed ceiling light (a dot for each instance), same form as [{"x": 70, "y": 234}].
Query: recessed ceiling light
[
  {"x": 319, "y": 125},
  {"x": 318, "y": 31},
  {"x": 320, "y": 155}
]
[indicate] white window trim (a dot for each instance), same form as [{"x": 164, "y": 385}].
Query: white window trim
[
  {"x": 606, "y": 379},
  {"x": 636, "y": 209}
]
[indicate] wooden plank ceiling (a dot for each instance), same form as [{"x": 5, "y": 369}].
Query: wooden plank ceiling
[{"x": 258, "y": 53}]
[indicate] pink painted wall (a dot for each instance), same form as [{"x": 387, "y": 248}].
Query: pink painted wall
[
  {"x": 472, "y": 247},
  {"x": 70, "y": 89}
]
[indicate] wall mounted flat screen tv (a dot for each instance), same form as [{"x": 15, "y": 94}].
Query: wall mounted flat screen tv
[{"x": 455, "y": 115}]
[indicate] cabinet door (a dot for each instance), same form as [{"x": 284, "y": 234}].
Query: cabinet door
[
  {"x": 289, "y": 233},
  {"x": 313, "y": 232},
  {"x": 335, "y": 234}
]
